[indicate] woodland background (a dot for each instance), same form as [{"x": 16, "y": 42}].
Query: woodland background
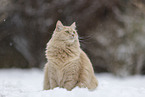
[{"x": 112, "y": 32}]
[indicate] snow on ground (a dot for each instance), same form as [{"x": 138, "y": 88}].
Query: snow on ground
[{"x": 28, "y": 83}]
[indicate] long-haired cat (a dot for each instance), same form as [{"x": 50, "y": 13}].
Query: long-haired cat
[{"x": 68, "y": 66}]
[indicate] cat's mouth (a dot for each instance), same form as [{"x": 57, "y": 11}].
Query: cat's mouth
[{"x": 72, "y": 37}]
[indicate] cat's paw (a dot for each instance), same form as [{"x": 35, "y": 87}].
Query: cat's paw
[{"x": 81, "y": 85}]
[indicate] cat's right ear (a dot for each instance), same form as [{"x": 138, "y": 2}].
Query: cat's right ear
[{"x": 59, "y": 26}]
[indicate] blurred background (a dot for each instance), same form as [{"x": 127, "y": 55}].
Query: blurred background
[{"x": 112, "y": 32}]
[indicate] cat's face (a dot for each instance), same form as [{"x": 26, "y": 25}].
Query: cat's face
[{"x": 65, "y": 33}]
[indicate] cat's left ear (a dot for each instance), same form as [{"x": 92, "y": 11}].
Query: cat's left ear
[
  {"x": 73, "y": 25},
  {"x": 59, "y": 26}
]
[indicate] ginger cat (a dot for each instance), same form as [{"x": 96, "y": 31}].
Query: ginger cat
[{"x": 68, "y": 66}]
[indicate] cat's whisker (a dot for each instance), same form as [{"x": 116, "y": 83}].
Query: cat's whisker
[{"x": 86, "y": 37}]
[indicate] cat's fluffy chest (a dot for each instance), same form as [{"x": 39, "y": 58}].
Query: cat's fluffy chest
[{"x": 62, "y": 53}]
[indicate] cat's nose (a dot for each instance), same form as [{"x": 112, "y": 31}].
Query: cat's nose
[{"x": 73, "y": 34}]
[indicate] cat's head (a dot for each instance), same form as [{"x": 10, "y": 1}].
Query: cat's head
[{"x": 65, "y": 33}]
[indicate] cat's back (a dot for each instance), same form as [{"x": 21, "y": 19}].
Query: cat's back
[
  {"x": 84, "y": 57},
  {"x": 85, "y": 61}
]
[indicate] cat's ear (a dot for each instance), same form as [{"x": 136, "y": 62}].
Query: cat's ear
[
  {"x": 59, "y": 26},
  {"x": 73, "y": 25}
]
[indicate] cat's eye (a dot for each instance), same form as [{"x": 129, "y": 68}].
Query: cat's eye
[
  {"x": 67, "y": 31},
  {"x": 74, "y": 32}
]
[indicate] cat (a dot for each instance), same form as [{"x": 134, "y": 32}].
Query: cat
[{"x": 68, "y": 66}]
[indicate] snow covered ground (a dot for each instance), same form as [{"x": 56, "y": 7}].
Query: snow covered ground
[{"x": 28, "y": 83}]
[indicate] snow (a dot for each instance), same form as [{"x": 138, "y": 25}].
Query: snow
[{"x": 29, "y": 82}]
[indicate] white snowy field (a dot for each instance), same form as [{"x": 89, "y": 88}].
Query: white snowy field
[{"x": 28, "y": 83}]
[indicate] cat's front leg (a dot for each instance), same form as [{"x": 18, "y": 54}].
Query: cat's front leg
[
  {"x": 70, "y": 83},
  {"x": 71, "y": 75},
  {"x": 49, "y": 77},
  {"x": 46, "y": 85},
  {"x": 53, "y": 82}
]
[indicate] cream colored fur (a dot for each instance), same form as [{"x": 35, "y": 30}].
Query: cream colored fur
[{"x": 68, "y": 66}]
